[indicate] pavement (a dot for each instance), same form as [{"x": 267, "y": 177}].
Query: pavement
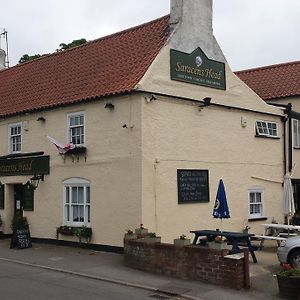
[{"x": 109, "y": 267}]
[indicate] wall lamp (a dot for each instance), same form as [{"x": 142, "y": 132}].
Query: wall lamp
[
  {"x": 42, "y": 119},
  {"x": 206, "y": 102},
  {"x": 151, "y": 98},
  {"x": 35, "y": 180},
  {"x": 109, "y": 105}
]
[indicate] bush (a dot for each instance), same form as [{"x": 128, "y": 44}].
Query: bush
[{"x": 290, "y": 273}]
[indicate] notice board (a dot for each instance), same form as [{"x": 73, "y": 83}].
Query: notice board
[{"x": 193, "y": 185}]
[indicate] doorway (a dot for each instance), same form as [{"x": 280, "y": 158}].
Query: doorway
[{"x": 18, "y": 199}]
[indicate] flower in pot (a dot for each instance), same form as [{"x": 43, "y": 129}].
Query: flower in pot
[
  {"x": 130, "y": 235},
  {"x": 83, "y": 232},
  {"x": 65, "y": 230},
  {"x": 182, "y": 241},
  {"x": 141, "y": 231},
  {"x": 152, "y": 238},
  {"x": 246, "y": 229},
  {"x": 289, "y": 283}
]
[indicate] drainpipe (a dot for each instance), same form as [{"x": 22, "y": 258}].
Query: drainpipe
[{"x": 290, "y": 144}]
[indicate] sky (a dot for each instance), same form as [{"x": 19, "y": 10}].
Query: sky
[{"x": 251, "y": 33}]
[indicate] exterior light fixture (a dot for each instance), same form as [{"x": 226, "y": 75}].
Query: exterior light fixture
[
  {"x": 205, "y": 102},
  {"x": 109, "y": 105},
  {"x": 42, "y": 119},
  {"x": 35, "y": 180}
]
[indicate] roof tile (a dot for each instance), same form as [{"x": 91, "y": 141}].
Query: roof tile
[
  {"x": 110, "y": 65},
  {"x": 275, "y": 81}
]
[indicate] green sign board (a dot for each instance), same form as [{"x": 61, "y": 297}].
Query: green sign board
[
  {"x": 197, "y": 68},
  {"x": 24, "y": 166}
]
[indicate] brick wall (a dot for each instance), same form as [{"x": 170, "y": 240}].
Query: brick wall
[{"x": 189, "y": 262}]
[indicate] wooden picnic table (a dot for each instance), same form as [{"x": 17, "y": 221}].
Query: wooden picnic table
[{"x": 232, "y": 237}]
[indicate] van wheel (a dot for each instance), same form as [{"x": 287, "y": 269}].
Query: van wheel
[{"x": 294, "y": 258}]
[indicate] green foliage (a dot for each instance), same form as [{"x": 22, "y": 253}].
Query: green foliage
[
  {"x": 74, "y": 43},
  {"x": 182, "y": 237},
  {"x": 27, "y": 57},
  {"x": 18, "y": 221},
  {"x": 62, "y": 46},
  {"x": 83, "y": 232},
  {"x": 290, "y": 273},
  {"x": 152, "y": 234}
]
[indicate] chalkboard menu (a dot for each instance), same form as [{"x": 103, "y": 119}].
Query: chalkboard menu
[
  {"x": 193, "y": 185},
  {"x": 21, "y": 238}
]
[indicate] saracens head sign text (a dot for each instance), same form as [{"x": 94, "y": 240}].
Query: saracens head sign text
[{"x": 197, "y": 68}]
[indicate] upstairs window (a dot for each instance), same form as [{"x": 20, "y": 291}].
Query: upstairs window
[
  {"x": 76, "y": 128},
  {"x": 15, "y": 138},
  {"x": 265, "y": 128},
  {"x": 296, "y": 134}
]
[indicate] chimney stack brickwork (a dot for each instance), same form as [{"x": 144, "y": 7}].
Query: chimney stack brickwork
[{"x": 191, "y": 23}]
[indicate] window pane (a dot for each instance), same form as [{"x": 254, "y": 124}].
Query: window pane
[
  {"x": 74, "y": 195},
  {"x": 258, "y": 197},
  {"x": 88, "y": 214},
  {"x": 67, "y": 195},
  {"x": 67, "y": 213},
  {"x": 80, "y": 195},
  {"x": 87, "y": 194},
  {"x": 252, "y": 197}
]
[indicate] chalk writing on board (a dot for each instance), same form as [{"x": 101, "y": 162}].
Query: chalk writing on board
[{"x": 193, "y": 185}]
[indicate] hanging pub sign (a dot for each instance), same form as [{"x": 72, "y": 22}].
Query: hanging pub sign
[
  {"x": 1, "y": 196},
  {"x": 193, "y": 185},
  {"x": 24, "y": 166},
  {"x": 197, "y": 68}
]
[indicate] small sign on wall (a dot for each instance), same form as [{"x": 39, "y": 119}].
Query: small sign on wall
[{"x": 193, "y": 185}]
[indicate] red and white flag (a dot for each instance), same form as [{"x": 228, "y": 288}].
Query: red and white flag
[{"x": 62, "y": 149}]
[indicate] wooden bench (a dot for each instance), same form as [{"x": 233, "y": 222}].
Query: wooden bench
[{"x": 262, "y": 238}]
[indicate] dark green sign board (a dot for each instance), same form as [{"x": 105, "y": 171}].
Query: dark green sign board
[
  {"x": 197, "y": 68},
  {"x": 28, "y": 196},
  {"x": 1, "y": 196},
  {"x": 24, "y": 166},
  {"x": 193, "y": 185}
]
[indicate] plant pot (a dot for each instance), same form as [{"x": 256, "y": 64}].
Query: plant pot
[
  {"x": 152, "y": 240},
  {"x": 289, "y": 287},
  {"x": 128, "y": 236},
  {"x": 141, "y": 231},
  {"x": 181, "y": 243},
  {"x": 217, "y": 245}
]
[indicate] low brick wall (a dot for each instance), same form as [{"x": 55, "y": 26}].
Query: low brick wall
[{"x": 189, "y": 262}]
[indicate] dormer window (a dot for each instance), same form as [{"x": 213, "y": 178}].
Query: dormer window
[{"x": 266, "y": 128}]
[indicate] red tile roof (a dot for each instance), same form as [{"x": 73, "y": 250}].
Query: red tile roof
[
  {"x": 108, "y": 66},
  {"x": 276, "y": 81}
]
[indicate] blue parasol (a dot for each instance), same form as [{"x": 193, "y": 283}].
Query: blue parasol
[{"x": 221, "y": 210}]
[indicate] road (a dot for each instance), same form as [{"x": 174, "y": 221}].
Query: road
[{"x": 30, "y": 283}]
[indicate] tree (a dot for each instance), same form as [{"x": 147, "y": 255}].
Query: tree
[{"x": 62, "y": 46}]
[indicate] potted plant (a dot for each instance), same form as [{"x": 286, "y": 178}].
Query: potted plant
[
  {"x": 129, "y": 235},
  {"x": 141, "y": 230},
  {"x": 246, "y": 229},
  {"x": 289, "y": 283},
  {"x": 18, "y": 222},
  {"x": 83, "y": 232},
  {"x": 218, "y": 243},
  {"x": 65, "y": 230},
  {"x": 152, "y": 238},
  {"x": 182, "y": 241}
]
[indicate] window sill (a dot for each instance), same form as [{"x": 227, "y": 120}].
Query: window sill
[
  {"x": 257, "y": 219},
  {"x": 267, "y": 137}
]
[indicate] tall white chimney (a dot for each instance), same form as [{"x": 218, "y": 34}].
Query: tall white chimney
[
  {"x": 2, "y": 59},
  {"x": 191, "y": 23}
]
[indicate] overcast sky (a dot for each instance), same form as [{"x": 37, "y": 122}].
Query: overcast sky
[{"x": 251, "y": 33}]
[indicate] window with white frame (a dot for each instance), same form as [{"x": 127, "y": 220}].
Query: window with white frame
[
  {"x": 266, "y": 128},
  {"x": 15, "y": 138},
  {"x": 76, "y": 128},
  {"x": 296, "y": 133},
  {"x": 77, "y": 202},
  {"x": 256, "y": 203}
]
